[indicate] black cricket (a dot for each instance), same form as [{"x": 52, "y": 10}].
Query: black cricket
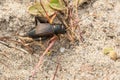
[{"x": 43, "y": 29}]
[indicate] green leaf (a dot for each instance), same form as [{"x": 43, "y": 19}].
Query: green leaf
[
  {"x": 107, "y": 50},
  {"x": 36, "y": 9},
  {"x": 57, "y": 4},
  {"x": 54, "y": 1},
  {"x": 111, "y": 53}
]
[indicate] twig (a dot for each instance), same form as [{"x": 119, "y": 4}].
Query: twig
[
  {"x": 56, "y": 68},
  {"x": 3, "y": 53},
  {"x": 56, "y": 71},
  {"x": 41, "y": 59},
  {"x": 4, "y": 38},
  {"x": 23, "y": 43},
  {"x": 10, "y": 46},
  {"x": 66, "y": 3},
  {"x": 44, "y": 10},
  {"x": 62, "y": 20},
  {"x": 4, "y": 43}
]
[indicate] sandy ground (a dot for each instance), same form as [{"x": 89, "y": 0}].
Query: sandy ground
[{"x": 100, "y": 24}]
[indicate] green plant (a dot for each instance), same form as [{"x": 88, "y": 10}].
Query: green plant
[{"x": 64, "y": 10}]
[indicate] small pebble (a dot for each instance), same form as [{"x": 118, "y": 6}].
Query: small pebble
[{"x": 62, "y": 49}]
